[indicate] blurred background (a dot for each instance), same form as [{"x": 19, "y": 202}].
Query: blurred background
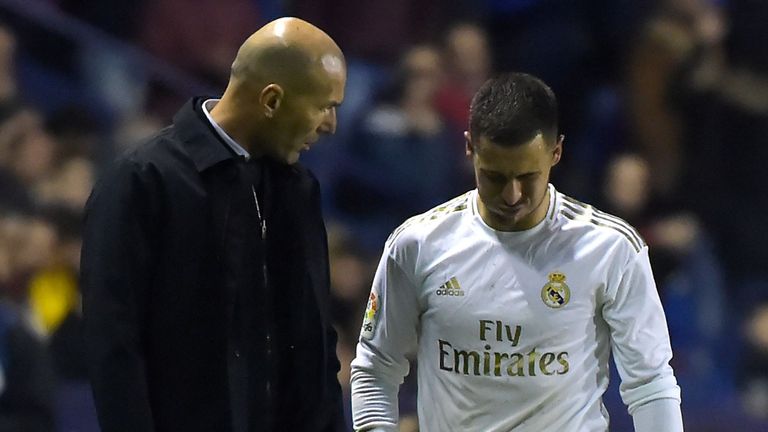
[{"x": 664, "y": 104}]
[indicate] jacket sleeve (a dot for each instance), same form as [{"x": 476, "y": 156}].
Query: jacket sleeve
[
  {"x": 388, "y": 336},
  {"x": 640, "y": 339},
  {"x": 117, "y": 263},
  {"x": 338, "y": 421}
]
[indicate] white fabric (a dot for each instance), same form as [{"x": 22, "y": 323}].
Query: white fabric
[
  {"x": 658, "y": 415},
  {"x": 471, "y": 303},
  {"x": 237, "y": 148}
]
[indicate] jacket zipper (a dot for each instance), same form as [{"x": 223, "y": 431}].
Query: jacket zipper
[{"x": 268, "y": 314}]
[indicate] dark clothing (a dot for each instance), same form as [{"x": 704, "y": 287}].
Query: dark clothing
[
  {"x": 26, "y": 399},
  {"x": 195, "y": 320},
  {"x": 67, "y": 349},
  {"x": 731, "y": 141},
  {"x": 14, "y": 195}
]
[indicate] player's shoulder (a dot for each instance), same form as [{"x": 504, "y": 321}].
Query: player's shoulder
[
  {"x": 439, "y": 218},
  {"x": 602, "y": 227}
]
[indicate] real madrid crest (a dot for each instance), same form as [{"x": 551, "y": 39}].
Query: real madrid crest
[{"x": 556, "y": 293}]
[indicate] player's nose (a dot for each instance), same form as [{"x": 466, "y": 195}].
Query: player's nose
[
  {"x": 512, "y": 192},
  {"x": 328, "y": 125}
]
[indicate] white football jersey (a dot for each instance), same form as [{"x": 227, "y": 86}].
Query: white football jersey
[{"x": 512, "y": 330}]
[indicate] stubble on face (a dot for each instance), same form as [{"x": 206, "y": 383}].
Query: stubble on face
[{"x": 512, "y": 182}]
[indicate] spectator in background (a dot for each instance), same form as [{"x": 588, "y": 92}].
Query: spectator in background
[
  {"x": 199, "y": 38},
  {"x": 723, "y": 99},
  {"x": 8, "y": 85},
  {"x": 350, "y": 274},
  {"x": 26, "y": 378},
  {"x": 76, "y": 131},
  {"x": 32, "y": 151},
  {"x": 401, "y": 155},
  {"x": 55, "y": 300},
  {"x": 551, "y": 39},
  {"x": 725, "y": 105},
  {"x": 358, "y": 25},
  {"x": 69, "y": 184},
  {"x": 70, "y": 178},
  {"x": 714, "y": 73},
  {"x": 578, "y": 48},
  {"x": 14, "y": 195},
  {"x": 678, "y": 33},
  {"x": 28, "y": 246},
  {"x": 374, "y": 35},
  {"x": 753, "y": 375},
  {"x": 700, "y": 102},
  {"x": 467, "y": 65},
  {"x": 27, "y": 156},
  {"x": 115, "y": 81},
  {"x": 351, "y": 271},
  {"x": 53, "y": 288}
]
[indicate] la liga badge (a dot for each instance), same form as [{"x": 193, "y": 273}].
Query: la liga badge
[{"x": 371, "y": 314}]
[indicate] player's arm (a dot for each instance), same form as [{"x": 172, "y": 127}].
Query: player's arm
[
  {"x": 116, "y": 264},
  {"x": 388, "y": 335},
  {"x": 641, "y": 348}
]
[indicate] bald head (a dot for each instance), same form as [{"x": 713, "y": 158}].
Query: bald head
[
  {"x": 287, "y": 51},
  {"x": 286, "y": 82}
]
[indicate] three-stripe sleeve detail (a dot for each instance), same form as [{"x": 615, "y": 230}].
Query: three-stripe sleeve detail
[{"x": 575, "y": 210}]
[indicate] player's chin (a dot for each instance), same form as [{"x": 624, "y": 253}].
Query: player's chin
[
  {"x": 518, "y": 218},
  {"x": 510, "y": 214}
]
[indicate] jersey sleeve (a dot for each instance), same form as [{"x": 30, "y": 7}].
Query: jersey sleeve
[
  {"x": 388, "y": 336},
  {"x": 639, "y": 336},
  {"x": 658, "y": 415}
]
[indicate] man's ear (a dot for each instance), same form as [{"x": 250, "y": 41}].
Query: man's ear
[
  {"x": 557, "y": 152},
  {"x": 468, "y": 149},
  {"x": 270, "y": 99}
]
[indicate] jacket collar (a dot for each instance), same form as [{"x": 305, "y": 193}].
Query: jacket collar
[
  {"x": 198, "y": 137},
  {"x": 204, "y": 145}
]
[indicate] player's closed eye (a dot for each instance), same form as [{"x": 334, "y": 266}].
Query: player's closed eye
[
  {"x": 495, "y": 178},
  {"x": 529, "y": 176}
]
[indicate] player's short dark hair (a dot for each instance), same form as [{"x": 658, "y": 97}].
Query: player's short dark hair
[{"x": 512, "y": 108}]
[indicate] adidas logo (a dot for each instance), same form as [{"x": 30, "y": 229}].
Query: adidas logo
[{"x": 450, "y": 288}]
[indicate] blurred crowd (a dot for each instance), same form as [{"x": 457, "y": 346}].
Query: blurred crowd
[{"x": 664, "y": 105}]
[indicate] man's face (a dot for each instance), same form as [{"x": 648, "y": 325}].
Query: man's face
[
  {"x": 512, "y": 181},
  {"x": 306, "y": 115}
]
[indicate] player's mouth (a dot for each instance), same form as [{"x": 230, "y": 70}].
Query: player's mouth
[{"x": 510, "y": 210}]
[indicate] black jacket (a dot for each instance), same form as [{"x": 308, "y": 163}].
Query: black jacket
[{"x": 159, "y": 305}]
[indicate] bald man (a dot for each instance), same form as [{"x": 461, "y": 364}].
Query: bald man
[{"x": 205, "y": 263}]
